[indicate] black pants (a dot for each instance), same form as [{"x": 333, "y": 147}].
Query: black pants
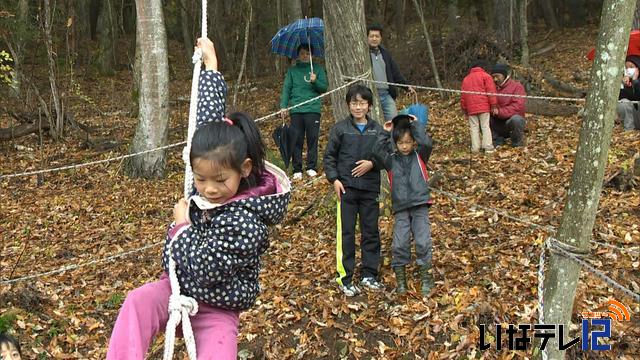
[
  {"x": 511, "y": 128},
  {"x": 353, "y": 203},
  {"x": 309, "y": 124}
]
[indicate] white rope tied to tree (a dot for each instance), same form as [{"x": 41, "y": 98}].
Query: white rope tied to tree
[{"x": 182, "y": 307}]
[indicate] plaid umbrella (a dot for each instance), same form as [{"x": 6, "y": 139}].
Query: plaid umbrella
[{"x": 302, "y": 31}]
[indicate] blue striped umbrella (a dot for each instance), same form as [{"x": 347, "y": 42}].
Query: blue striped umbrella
[{"x": 303, "y": 31}]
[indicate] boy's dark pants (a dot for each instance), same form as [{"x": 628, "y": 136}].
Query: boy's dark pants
[
  {"x": 309, "y": 124},
  {"x": 356, "y": 202}
]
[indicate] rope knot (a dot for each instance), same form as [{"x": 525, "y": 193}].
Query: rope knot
[{"x": 178, "y": 303}]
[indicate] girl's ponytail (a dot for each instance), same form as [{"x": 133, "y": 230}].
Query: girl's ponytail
[{"x": 255, "y": 146}]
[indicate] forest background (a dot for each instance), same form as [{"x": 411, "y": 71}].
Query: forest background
[{"x": 69, "y": 95}]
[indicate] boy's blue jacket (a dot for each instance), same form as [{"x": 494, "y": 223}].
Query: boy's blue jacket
[
  {"x": 346, "y": 146},
  {"x": 407, "y": 173}
]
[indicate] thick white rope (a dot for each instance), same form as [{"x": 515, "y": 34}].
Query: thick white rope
[{"x": 182, "y": 307}]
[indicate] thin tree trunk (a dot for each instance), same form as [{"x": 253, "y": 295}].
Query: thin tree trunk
[
  {"x": 107, "y": 33},
  {"x": 17, "y": 50},
  {"x": 279, "y": 60},
  {"x": 346, "y": 51},
  {"x": 187, "y": 38},
  {"x": 153, "y": 119},
  {"x": 293, "y": 10},
  {"x": 244, "y": 55},
  {"x": 636, "y": 17},
  {"x": 452, "y": 14},
  {"x": 57, "y": 129},
  {"x": 591, "y": 159},
  {"x": 432, "y": 60},
  {"x": 549, "y": 14},
  {"x": 524, "y": 32}
]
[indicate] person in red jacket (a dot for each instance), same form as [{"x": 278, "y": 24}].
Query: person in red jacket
[
  {"x": 476, "y": 107},
  {"x": 507, "y": 121}
]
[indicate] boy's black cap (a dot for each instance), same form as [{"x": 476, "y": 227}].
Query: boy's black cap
[
  {"x": 501, "y": 69},
  {"x": 401, "y": 120}
]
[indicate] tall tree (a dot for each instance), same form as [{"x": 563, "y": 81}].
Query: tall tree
[
  {"x": 549, "y": 14},
  {"x": 636, "y": 17},
  {"x": 18, "y": 44},
  {"x": 57, "y": 124},
  {"x": 524, "y": 32},
  {"x": 185, "y": 26},
  {"x": 292, "y": 10},
  {"x": 346, "y": 50},
  {"x": 432, "y": 60},
  {"x": 153, "y": 115},
  {"x": 107, "y": 33},
  {"x": 583, "y": 195}
]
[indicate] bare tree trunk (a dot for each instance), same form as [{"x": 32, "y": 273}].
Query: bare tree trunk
[
  {"x": 244, "y": 54},
  {"x": 17, "y": 50},
  {"x": 549, "y": 14},
  {"x": 636, "y": 17},
  {"x": 56, "y": 129},
  {"x": 346, "y": 51},
  {"x": 452, "y": 14},
  {"x": 398, "y": 16},
  {"x": 432, "y": 60},
  {"x": 153, "y": 119},
  {"x": 591, "y": 159},
  {"x": 502, "y": 21},
  {"x": 524, "y": 32},
  {"x": 373, "y": 10},
  {"x": 279, "y": 60},
  {"x": 293, "y": 10},
  {"x": 187, "y": 38},
  {"x": 106, "y": 34}
]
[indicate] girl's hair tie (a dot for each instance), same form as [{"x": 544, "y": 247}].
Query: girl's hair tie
[{"x": 228, "y": 121}]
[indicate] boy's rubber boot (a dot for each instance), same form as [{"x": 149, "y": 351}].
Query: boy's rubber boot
[
  {"x": 401, "y": 280},
  {"x": 427, "y": 279}
]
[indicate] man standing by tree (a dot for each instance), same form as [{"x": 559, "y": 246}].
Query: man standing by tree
[
  {"x": 507, "y": 120},
  {"x": 386, "y": 70}
]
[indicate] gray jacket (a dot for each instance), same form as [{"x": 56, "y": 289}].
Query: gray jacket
[{"x": 407, "y": 173}]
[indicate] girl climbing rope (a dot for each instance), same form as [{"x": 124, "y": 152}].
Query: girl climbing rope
[{"x": 217, "y": 235}]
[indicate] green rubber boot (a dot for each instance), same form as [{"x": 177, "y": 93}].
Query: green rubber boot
[
  {"x": 427, "y": 279},
  {"x": 401, "y": 280}
]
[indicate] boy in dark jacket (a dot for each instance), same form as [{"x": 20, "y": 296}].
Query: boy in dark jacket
[
  {"x": 349, "y": 165},
  {"x": 410, "y": 195},
  {"x": 476, "y": 107}
]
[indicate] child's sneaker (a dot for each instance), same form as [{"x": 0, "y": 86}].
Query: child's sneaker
[
  {"x": 371, "y": 284},
  {"x": 311, "y": 173},
  {"x": 350, "y": 290},
  {"x": 297, "y": 176}
]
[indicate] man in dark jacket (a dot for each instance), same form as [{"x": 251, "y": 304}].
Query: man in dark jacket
[
  {"x": 507, "y": 121},
  {"x": 386, "y": 70},
  {"x": 350, "y": 167}
]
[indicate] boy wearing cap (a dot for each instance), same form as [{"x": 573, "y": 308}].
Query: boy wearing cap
[
  {"x": 403, "y": 149},
  {"x": 507, "y": 121},
  {"x": 629, "y": 92}
]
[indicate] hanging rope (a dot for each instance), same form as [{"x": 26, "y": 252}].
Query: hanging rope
[{"x": 182, "y": 307}]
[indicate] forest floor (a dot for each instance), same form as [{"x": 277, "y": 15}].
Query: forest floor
[{"x": 485, "y": 263}]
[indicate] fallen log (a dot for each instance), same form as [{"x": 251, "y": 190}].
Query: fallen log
[
  {"x": 543, "y": 50},
  {"x": 21, "y": 130},
  {"x": 564, "y": 87},
  {"x": 547, "y": 108}
]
